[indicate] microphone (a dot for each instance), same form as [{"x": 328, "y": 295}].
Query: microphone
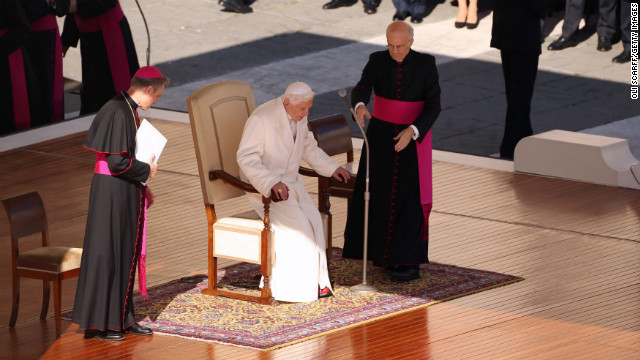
[{"x": 343, "y": 94}]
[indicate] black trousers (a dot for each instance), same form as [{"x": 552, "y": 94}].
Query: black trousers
[
  {"x": 607, "y": 17},
  {"x": 520, "y": 72},
  {"x": 625, "y": 23},
  {"x": 375, "y": 3},
  {"x": 413, "y": 7}
]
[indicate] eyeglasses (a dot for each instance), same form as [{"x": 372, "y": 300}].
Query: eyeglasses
[{"x": 396, "y": 47}]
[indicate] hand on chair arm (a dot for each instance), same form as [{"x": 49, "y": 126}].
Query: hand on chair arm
[{"x": 341, "y": 174}]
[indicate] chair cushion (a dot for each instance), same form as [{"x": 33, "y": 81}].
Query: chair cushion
[
  {"x": 251, "y": 215},
  {"x": 51, "y": 258},
  {"x": 238, "y": 238}
]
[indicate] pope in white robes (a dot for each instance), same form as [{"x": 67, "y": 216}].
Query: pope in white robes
[{"x": 274, "y": 142}]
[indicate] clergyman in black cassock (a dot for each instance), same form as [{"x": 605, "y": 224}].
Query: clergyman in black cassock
[
  {"x": 517, "y": 33},
  {"x": 45, "y": 51},
  {"x": 405, "y": 84},
  {"x": 19, "y": 87},
  {"x": 108, "y": 53},
  {"x": 114, "y": 236}
]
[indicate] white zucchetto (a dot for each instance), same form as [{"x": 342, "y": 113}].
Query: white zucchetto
[{"x": 298, "y": 88}]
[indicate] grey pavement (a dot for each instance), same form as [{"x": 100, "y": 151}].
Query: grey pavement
[{"x": 195, "y": 43}]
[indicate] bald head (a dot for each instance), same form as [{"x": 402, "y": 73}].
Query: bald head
[
  {"x": 399, "y": 40},
  {"x": 400, "y": 28}
]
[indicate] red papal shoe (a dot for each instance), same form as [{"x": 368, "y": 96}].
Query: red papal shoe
[{"x": 326, "y": 292}]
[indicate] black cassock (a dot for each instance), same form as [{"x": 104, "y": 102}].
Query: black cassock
[
  {"x": 45, "y": 53},
  {"x": 114, "y": 222},
  {"x": 16, "y": 67},
  {"x": 97, "y": 79},
  {"x": 397, "y": 230},
  {"x": 29, "y": 27}
]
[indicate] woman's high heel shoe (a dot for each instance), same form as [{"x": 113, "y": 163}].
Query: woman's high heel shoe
[
  {"x": 460, "y": 24},
  {"x": 471, "y": 26}
]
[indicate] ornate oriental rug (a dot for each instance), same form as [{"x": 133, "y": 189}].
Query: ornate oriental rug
[{"x": 177, "y": 308}]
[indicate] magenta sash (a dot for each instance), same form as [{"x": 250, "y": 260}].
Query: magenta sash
[
  {"x": 102, "y": 167},
  {"x": 405, "y": 112},
  {"x": 20, "y": 97},
  {"x": 48, "y": 22},
  {"x": 109, "y": 24}
]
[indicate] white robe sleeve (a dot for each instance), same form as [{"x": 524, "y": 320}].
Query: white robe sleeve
[
  {"x": 322, "y": 163},
  {"x": 249, "y": 156}
]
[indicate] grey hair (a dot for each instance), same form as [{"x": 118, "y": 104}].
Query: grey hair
[{"x": 298, "y": 98}]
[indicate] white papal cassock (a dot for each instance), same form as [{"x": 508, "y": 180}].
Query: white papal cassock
[{"x": 267, "y": 155}]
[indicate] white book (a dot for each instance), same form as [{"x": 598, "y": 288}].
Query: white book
[{"x": 149, "y": 142}]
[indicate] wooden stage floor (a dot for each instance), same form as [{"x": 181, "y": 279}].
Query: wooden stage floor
[{"x": 577, "y": 245}]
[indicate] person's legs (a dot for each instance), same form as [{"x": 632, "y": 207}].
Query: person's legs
[
  {"x": 472, "y": 13},
  {"x": 402, "y": 9},
  {"x": 462, "y": 11},
  {"x": 625, "y": 29},
  {"x": 519, "y": 76},
  {"x": 573, "y": 12},
  {"x": 607, "y": 18},
  {"x": 418, "y": 9}
]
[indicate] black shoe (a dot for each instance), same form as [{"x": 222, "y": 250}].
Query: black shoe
[
  {"x": 562, "y": 43},
  {"x": 624, "y": 57},
  {"x": 90, "y": 333},
  {"x": 406, "y": 273},
  {"x": 416, "y": 19},
  {"x": 400, "y": 15},
  {"x": 370, "y": 9},
  {"x": 334, "y": 4},
  {"x": 110, "y": 335},
  {"x": 604, "y": 44},
  {"x": 390, "y": 269},
  {"x": 236, "y": 6},
  {"x": 459, "y": 25},
  {"x": 472, "y": 26},
  {"x": 137, "y": 329}
]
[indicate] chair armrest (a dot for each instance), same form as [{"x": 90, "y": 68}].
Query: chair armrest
[
  {"x": 231, "y": 180},
  {"x": 308, "y": 172}
]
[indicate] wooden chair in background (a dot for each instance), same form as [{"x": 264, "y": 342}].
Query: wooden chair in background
[
  {"x": 26, "y": 215},
  {"x": 334, "y": 137}
]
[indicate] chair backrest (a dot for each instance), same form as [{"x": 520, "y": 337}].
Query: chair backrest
[
  {"x": 26, "y": 216},
  {"x": 333, "y": 135},
  {"x": 218, "y": 113}
]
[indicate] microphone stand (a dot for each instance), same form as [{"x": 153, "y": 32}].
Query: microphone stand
[
  {"x": 148, "y": 36},
  {"x": 363, "y": 288}
]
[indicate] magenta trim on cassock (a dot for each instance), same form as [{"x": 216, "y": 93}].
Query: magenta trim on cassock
[
  {"x": 405, "y": 112},
  {"x": 109, "y": 24},
  {"x": 142, "y": 258},
  {"x": 102, "y": 167},
  {"x": 20, "y": 98}
]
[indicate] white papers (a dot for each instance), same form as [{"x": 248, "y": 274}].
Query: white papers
[{"x": 149, "y": 142}]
